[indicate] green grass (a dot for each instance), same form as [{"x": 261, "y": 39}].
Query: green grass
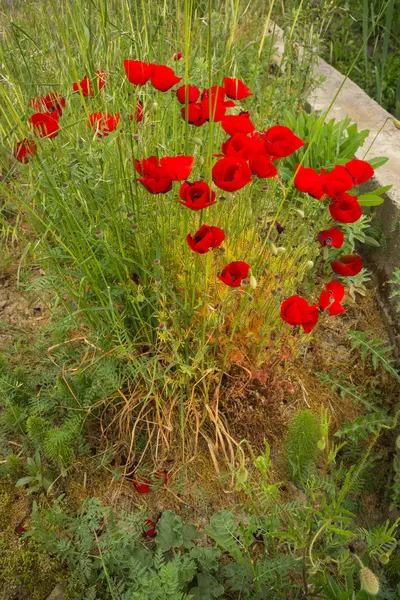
[
  {"x": 113, "y": 256},
  {"x": 350, "y": 24}
]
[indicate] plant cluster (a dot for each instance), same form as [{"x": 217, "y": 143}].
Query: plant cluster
[{"x": 267, "y": 548}]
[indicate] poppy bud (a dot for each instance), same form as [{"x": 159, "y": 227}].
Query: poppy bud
[
  {"x": 198, "y": 141},
  {"x": 281, "y": 250},
  {"x": 384, "y": 559},
  {"x": 309, "y": 264},
  {"x": 369, "y": 581},
  {"x": 140, "y": 298},
  {"x": 201, "y": 161},
  {"x": 253, "y": 282},
  {"x": 396, "y": 123},
  {"x": 274, "y": 249},
  {"x": 299, "y": 212},
  {"x": 322, "y": 444},
  {"x": 398, "y": 442},
  {"x": 154, "y": 107}
]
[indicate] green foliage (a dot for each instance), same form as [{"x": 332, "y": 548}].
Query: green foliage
[
  {"x": 375, "y": 25},
  {"x": 26, "y": 570},
  {"x": 332, "y": 143},
  {"x": 396, "y": 287},
  {"x": 375, "y": 349},
  {"x": 304, "y": 433},
  {"x": 362, "y": 427},
  {"x": 36, "y": 481}
]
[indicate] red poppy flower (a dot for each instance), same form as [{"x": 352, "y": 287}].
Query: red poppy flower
[
  {"x": 177, "y": 167},
  {"x": 139, "y": 113},
  {"x": 102, "y": 77},
  {"x": 194, "y": 115},
  {"x": 147, "y": 166},
  {"x": 296, "y": 311},
  {"x": 196, "y": 195},
  {"x": 158, "y": 184},
  {"x": 155, "y": 178},
  {"x": 45, "y": 124},
  {"x": 236, "y": 89},
  {"x": 84, "y": 87},
  {"x": 280, "y": 141},
  {"x": 54, "y": 102},
  {"x": 38, "y": 104},
  {"x": 262, "y": 166},
  {"x": 137, "y": 72},
  {"x": 103, "y": 123},
  {"x": 191, "y": 91},
  {"x": 178, "y": 56},
  {"x": 163, "y": 78},
  {"x": 345, "y": 208},
  {"x": 240, "y": 145},
  {"x": 149, "y": 528},
  {"x": 309, "y": 182},
  {"x": 231, "y": 173},
  {"x": 141, "y": 484},
  {"x": 205, "y": 238},
  {"x": 212, "y": 109},
  {"x": 347, "y": 265},
  {"x": 234, "y": 273},
  {"x": 359, "y": 170},
  {"x": 331, "y": 237},
  {"x": 217, "y": 92},
  {"x": 24, "y": 150},
  {"x": 237, "y": 123},
  {"x": 330, "y": 298},
  {"x": 337, "y": 181}
]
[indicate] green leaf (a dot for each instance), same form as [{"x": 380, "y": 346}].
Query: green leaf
[
  {"x": 189, "y": 534},
  {"x": 223, "y": 530},
  {"x": 24, "y": 481},
  {"x": 381, "y": 190},
  {"x": 371, "y": 241},
  {"x": 169, "y": 531},
  {"x": 378, "y": 161},
  {"x": 370, "y": 200},
  {"x": 207, "y": 588},
  {"x": 207, "y": 557}
]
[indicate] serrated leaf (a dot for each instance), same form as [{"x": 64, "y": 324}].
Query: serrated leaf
[{"x": 207, "y": 557}]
